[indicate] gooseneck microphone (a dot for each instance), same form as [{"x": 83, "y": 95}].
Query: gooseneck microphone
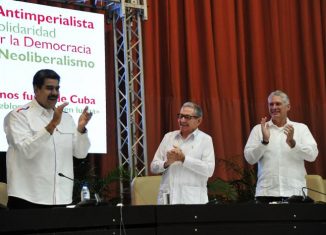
[
  {"x": 62, "y": 175},
  {"x": 86, "y": 203},
  {"x": 75, "y": 181}
]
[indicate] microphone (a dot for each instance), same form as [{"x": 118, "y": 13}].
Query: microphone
[
  {"x": 75, "y": 181},
  {"x": 62, "y": 175},
  {"x": 91, "y": 202}
]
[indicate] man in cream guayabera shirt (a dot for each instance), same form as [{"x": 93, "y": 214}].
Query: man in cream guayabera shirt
[
  {"x": 42, "y": 141},
  {"x": 280, "y": 147},
  {"x": 186, "y": 159}
]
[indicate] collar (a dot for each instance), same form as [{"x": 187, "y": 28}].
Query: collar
[
  {"x": 270, "y": 123},
  {"x": 39, "y": 110},
  {"x": 192, "y": 134}
]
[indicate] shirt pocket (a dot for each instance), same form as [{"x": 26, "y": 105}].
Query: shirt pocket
[
  {"x": 36, "y": 124},
  {"x": 62, "y": 129},
  {"x": 265, "y": 183},
  {"x": 64, "y": 135},
  {"x": 191, "y": 195},
  {"x": 66, "y": 126},
  {"x": 193, "y": 150}
]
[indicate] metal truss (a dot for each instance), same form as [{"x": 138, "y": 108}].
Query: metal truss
[{"x": 126, "y": 17}]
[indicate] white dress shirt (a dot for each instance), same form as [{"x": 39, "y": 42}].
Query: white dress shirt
[
  {"x": 186, "y": 182},
  {"x": 281, "y": 170},
  {"x": 35, "y": 157}
]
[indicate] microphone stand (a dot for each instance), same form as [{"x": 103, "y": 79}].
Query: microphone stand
[{"x": 91, "y": 202}]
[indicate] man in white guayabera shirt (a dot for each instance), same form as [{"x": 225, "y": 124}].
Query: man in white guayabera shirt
[
  {"x": 280, "y": 147},
  {"x": 42, "y": 141},
  {"x": 186, "y": 159}
]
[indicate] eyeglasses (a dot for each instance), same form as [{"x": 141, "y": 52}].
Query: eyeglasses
[{"x": 185, "y": 116}]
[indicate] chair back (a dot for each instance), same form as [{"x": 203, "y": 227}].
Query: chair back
[
  {"x": 144, "y": 190},
  {"x": 3, "y": 194},
  {"x": 316, "y": 182}
]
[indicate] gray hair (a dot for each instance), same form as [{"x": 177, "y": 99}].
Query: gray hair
[
  {"x": 195, "y": 107},
  {"x": 281, "y": 94}
]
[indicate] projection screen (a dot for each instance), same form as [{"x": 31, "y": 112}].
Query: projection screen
[{"x": 71, "y": 42}]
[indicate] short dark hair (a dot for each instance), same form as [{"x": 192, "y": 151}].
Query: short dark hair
[{"x": 41, "y": 75}]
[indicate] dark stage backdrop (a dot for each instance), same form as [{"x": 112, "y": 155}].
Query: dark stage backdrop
[{"x": 227, "y": 56}]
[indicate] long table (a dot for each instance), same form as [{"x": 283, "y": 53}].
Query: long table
[{"x": 260, "y": 219}]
